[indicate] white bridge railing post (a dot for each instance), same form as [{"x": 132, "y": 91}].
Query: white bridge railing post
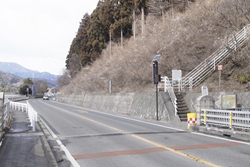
[{"x": 169, "y": 88}]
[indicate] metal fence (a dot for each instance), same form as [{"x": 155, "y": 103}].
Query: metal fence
[{"x": 234, "y": 118}]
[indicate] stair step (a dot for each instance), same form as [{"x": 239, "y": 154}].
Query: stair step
[
  {"x": 183, "y": 112},
  {"x": 182, "y": 106}
]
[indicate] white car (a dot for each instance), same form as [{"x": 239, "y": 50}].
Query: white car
[{"x": 45, "y": 97}]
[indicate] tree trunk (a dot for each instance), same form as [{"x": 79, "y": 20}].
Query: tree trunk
[
  {"x": 134, "y": 23},
  {"x": 142, "y": 21}
]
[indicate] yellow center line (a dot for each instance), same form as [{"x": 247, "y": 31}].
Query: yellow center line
[
  {"x": 175, "y": 151},
  {"x": 142, "y": 139},
  {"x": 91, "y": 120}
]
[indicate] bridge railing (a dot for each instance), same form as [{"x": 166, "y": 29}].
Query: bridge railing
[
  {"x": 226, "y": 118},
  {"x": 27, "y": 108},
  {"x": 5, "y": 117},
  {"x": 15, "y": 97}
]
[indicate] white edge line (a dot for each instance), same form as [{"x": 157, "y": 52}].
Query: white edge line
[
  {"x": 216, "y": 137},
  {"x": 163, "y": 126},
  {"x": 69, "y": 156}
]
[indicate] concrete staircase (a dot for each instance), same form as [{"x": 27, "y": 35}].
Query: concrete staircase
[
  {"x": 182, "y": 108},
  {"x": 199, "y": 73}
]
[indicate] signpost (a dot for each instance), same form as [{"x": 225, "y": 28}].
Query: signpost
[
  {"x": 156, "y": 79},
  {"x": 110, "y": 85},
  {"x": 220, "y": 68}
]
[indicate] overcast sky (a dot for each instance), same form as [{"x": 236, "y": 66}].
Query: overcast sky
[{"x": 37, "y": 33}]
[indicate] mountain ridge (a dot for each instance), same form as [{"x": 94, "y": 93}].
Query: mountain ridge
[{"x": 18, "y": 70}]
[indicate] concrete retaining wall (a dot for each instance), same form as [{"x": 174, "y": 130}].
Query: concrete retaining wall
[
  {"x": 143, "y": 104},
  {"x": 135, "y": 104}
]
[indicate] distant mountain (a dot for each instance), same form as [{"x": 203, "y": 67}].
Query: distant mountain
[
  {"x": 9, "y": 82},
  {"x": 18, "y": 70},
  {"x": 9, "y": 79}
]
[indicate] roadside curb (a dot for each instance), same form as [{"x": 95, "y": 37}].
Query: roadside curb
[
  {"x": 222, "y": 132},
  {"x": 55, "y": 154},
  {"x": 48, "y": 151}
]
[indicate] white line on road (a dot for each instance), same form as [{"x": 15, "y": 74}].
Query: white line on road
[
  {"x": 163, "y": 126},
  {"x": 69, "y": 156}
]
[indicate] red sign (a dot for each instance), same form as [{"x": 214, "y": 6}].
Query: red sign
[{"x": 220, "y": 67}]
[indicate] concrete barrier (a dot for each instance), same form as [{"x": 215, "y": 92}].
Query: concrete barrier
[{"x": 135, "y": 104}]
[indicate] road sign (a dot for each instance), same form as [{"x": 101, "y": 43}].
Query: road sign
[{"x": 220, "y": 67}]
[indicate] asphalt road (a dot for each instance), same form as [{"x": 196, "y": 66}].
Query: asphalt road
[{"x": 94, "y": 138}]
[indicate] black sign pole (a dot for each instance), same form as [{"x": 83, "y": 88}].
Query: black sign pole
[
  {"x": 156, "y": 86},
  {"x": 156, "y": 79}
]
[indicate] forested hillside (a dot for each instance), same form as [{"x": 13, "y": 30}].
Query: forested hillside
[
  {"x": 9, "y": 82},
  {"x": 111, "y": 21},
  {"x": 119, "y": 39}
]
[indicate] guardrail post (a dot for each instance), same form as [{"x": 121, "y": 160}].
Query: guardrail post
[
  {"x": 165, "y": 84},
  {"x": 33, "y": 123},
  {"x": 230, "y": 119},
  {"x": 198, "y": 116},
  {"x": 205, "y": 117}
]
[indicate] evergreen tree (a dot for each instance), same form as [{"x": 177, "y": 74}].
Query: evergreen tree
[{"x": 93, "y": 35}]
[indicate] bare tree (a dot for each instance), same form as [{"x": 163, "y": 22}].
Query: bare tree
[
  {"x": 74, "y": 64},
  {"x": 41, "y": 86},
  {"x": 183, "y": 43},
  {"x": 64, "y": 79}
]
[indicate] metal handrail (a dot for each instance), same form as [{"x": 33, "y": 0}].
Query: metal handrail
[
  {"x": 199, "y": 73},
  {"x": 168, "y": 88}
]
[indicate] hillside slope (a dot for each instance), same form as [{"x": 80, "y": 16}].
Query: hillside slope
[
  {"x": 183, "y": 40},
  {"x": 9, "y": 82}
]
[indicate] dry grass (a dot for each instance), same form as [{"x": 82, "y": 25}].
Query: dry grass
[{"x": 183, "y": 41}]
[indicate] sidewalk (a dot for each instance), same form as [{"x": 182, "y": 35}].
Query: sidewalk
[{"x": 23, "y": 147}]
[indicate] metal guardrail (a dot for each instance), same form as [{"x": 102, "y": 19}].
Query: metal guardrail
[
  {"x": 226, "y": 118},
  {"x": 15, "y": 97}
]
